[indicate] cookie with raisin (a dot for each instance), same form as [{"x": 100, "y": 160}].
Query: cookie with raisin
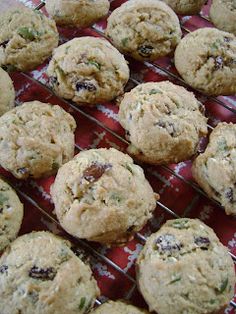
[
  {"x": 215, "y": 169},
  {"x": 27, "y": 39},
  {"x": 74, "y": 13},
  {"x": 206, "y": 59},
  {"x": 36, "y": 139},
  {"x": 102, "y": 196},
  {"x": 88, "y": 70},
  {"x": 164, "y": 122},
  {"x": 144, "y": 29},
  {"x": 223, "y": 15},
  {"x": 39, "y": 273},
  {"x": 184, "y": 268},
  {"x": 11, "y": 214}
]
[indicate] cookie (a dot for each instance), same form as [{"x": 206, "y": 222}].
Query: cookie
[
  {"x": 101, "y": 195},
  {"x": 118, "y": 307},
  {"x": 27, "y": 39},
  {"x": 40, "y": 274},
  {"x": 186, "y": 7},
  {"x": 36, "y": 139},
  {"x": 7, "y": 92},
  {"x": 163, "y": 122},
  {"x": 223, "y": 15},
  {"x": 144, "y": 29},
  {"x": 206, "y": 58},
  {"x": 215, "y": 169},
  {"x": 183, "y": 268},
  {"x": 77, "y": 13},
  {"x": 11, "y": 214},
  {"x": 88, "y": 70}
]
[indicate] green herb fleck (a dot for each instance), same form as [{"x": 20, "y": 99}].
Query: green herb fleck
[
  {"x": 82, "y": 303},
  {"x": 60, "y": 71},
  {"x": 212, "y": 301},
  {"x": 155, "y": 91},
  {"x": 223, "y": 285},
  {"x": 222, "y": 144},
  {"x": 28, "y": 33},
  {"x": 180, "y": 224},
  {"x": 66, "y": 49},
  {"x": 3, "y": 199},
  {"x": 124, "y": 41},
  {"x": 128, "y": 167},
  {"x": 175, "y": 279},
  {"x": 96, "y": 64},
  {"x": 116, "y": 197}
]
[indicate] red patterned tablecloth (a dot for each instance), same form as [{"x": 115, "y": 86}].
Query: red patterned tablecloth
[{"x": 114, "y": 268}]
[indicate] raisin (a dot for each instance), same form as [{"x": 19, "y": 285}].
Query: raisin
[
  {"x": 229, "y": 194},
  {"x": 4, "y": 44},
  {"x": 3, "y": 269},
  {"x": 227, "y": 39},
  {"x": 219, "y": 63},
  {"x": 145, "y": 51},
  {"x": 169, "y": 126},
  {"x": 23, "y": 170},
  {"x": 167, "y": 244},
  {"x": 42, "y": 273},
  {"x": 85, "y": 85},
  {"x": 202, "y": 242},
  {"x": 95, "y": 171}
]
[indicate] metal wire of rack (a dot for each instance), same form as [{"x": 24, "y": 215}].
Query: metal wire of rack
[{"x": 138, "y": 236}]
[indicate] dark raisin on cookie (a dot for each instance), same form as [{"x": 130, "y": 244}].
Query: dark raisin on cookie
[
  {"x": 95, "y": 171},
  {"x": 145, "y": 50},
  {"x": 3, "y": 269},
  {"x": 42, "y": 273},
  {"x": 4, "y": 44},
  {"x": 85, "y": 85},
  {"x": 229, "y": 194},
  {"x": 219, "y": 63},
  {"x": 202, "y": 242},
  {"x": 168, "y": 244}
]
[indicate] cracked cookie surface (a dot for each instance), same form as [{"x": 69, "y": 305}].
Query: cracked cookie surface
[
  {"x": 36, "y": 139},
  {"x": 144, "y": 30},
  {"x": 40, "y": 274},
  {"x": 11, "y": 214},
  {"x": 215, "y": 169},
  {"x": 186, "y": 7},
  {"x": 77, "y": 13},
  {"x": 88, "y": 70},
  {"x": 7, "y": 92},
  {"x": 223, "y": 15},
  {"x": 118, "y": 307},
  {"x": 163, "y": 121},
  {"x": 101, "y": 195},
  {"x": 184, "y": 267},
  {"x": 27, "y": 39},
  {"x": 206, "y": 59}
]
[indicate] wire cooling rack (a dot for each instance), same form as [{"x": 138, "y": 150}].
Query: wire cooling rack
[{"x": 25, "y": 191}]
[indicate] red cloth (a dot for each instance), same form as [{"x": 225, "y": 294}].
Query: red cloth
[{"x": 175, "y": 194}]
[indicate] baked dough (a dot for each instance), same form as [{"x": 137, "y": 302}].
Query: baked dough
[
  {"x": 27, "y": 39},
  {"x": 144, "y": 29},
  {"x": 206, "y": 58},
  {"x": 101, "y": 195},
  {"x": 36, "y": 139},
  {"x": 183, "y": 268},
  {"x": 40, "y": 274},
  {"x": 76, "y": 13},
  {"x": 163, "y": 121},
  {"x": 88, "y": 70},
  {"x": 215, "y": 169}
]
